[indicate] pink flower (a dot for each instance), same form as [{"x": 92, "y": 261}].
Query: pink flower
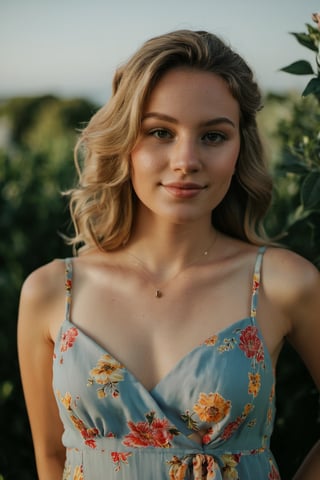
[
  {"x": 251, "y": 344},
  {"x": 316, "y": 19},
  {"x": 68, "y": 339}
]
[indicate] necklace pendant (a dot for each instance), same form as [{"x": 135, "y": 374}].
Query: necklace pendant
[{"x": 158, "y": 293}]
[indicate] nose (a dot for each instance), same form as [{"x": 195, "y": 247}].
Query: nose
[{"x": 185, "y": 156}]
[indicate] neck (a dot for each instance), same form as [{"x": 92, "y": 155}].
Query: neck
[{"x": 165, "y": 252}]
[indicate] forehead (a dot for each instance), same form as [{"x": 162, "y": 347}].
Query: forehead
[{"x": 194, "y": 89}]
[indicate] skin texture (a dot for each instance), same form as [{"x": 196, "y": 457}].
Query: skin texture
[{"x": 181, "y": 168}]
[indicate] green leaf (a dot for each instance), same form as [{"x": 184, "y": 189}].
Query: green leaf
[
  {"x": 310, "y": 191},
  {"x": 313, "y": 87},
  {"x": 312, "y": 30},
  {"x": 301, "y": 67},
  {"x": 305, "y": 40}
]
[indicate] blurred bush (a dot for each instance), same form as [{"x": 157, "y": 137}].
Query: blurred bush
[
  {"x": 37, "y": 136},
  {"x": 296, "y": 212}
]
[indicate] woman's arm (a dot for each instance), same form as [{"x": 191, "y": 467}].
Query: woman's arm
[
  {"x": 41, "y": 304},
  {"x": 296, "y": 287},
  {"x": 310, "y": 469}
]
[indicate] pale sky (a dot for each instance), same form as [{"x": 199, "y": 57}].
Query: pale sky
[{"x": 72, "y": 47}]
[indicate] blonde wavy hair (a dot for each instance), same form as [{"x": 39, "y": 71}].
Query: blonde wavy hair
[{"x": 102, "y": 205}]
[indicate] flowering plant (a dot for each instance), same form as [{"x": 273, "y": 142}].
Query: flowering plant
[{"x": 310, "y": 40}]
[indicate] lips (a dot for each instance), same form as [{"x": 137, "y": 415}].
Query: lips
[{"x": 183, "y": 189}]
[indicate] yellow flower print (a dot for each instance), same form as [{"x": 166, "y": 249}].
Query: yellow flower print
[
  {"x": 107, "y": 372},
  {"x": 78, "y": 473},
  {"x": 65, "y": 400},
  {"x": 230, "y": 463},
  {"x": 254, "y": 383},
  {"x": 212, "y": 407}
]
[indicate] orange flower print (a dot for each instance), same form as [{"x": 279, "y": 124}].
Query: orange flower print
[
  {"x": 211, "y": 340},
  {"x": 212, "y": 407},
  {"x": 68, "y": 338},
  {"x": 229, "y": 468},
  {"x": 251, "y": 344},
  {"x": 178, "y": 468},
  {"x": 108, "y": 373},
  {"x": 152, "y": 433},
  {"x": 119, "y": 458},
  {"x": 254, "y": 383}
]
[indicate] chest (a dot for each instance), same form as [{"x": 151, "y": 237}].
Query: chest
[{"x": 151, "y": 334}]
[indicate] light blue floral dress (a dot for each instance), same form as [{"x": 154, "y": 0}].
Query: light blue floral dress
[{"x": 115, "y": 429}]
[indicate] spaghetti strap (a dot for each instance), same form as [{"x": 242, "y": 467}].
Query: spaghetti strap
[
  {"x": 68, "y": 286},
  {"x": 256, "y": 282}
]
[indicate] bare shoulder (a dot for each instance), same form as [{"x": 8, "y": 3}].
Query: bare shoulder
[
  {"x": 42, "y": 297},
  {"x": 289, "y": 274},
  {"x": 292, "y": 283},
  {"x": 44, "y": 283}
]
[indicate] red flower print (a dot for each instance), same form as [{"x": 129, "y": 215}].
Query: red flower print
[
  {"x": 233, "y": 426},
  {"x": 273, "y": 474},
  {"x": 120, "y": 457},
  {"x": 152, "y": 433},
  {"x": 68, "y": 285},
  {"x": 207, "y": 437},
  {"x": 251, "y": 344},
  {"x": 88, "y": 434},
  {"x": 68, "y": 339},
  {"x": 256, "y": 283}
]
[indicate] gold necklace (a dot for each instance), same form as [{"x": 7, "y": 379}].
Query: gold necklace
[{"x": 159, "y": 290}]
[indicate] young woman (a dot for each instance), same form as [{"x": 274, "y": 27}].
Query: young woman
[{"x": 163, "y": 358}]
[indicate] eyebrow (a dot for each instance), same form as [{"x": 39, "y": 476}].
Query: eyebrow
[{"x": 168, "y": 118}]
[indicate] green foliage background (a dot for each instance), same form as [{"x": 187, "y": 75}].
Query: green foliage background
[{"x": 37, "y": 136}]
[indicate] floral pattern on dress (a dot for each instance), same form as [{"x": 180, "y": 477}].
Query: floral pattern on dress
[
  {"x": 120, "y": 458},
  {"x": 229, "y": 469},
  {"x": 107, "y": 373},
  {"x": 154, "y": 432},
  {"x": 67, "y": 341},
  {"x": 251, "y": 344},
  {"x": 88, "y": 433},
  {"x": 76, "y": 475},
  {"x": 254, "y": 383},
  {"x": 229, "y": 430},
  {"x": 212, "y": 407},
  {"x": 204, "y": 467},
  {"x": 273, "y": 474}
]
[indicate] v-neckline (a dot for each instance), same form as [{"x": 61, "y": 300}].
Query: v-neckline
[{"x": 177, "y": 365}]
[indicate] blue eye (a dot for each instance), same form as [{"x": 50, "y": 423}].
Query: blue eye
[{"x": 214, "y": 137}]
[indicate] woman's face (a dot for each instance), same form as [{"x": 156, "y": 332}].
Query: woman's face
[{"x": 186, "y": 153}]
